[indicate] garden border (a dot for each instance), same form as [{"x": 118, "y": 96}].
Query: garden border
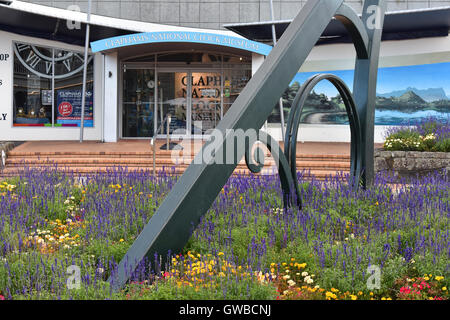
[{"x": 411, "y": 164}]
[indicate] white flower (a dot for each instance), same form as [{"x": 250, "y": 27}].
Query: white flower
[
  {"x": 291, "y": 283},
  {"x": 310, "y": 281},
  {"x": 100, "y": 270},
  {"x": 304, "y": 274}
]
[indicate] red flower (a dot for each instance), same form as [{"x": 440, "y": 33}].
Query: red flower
[
  {"x": 405, "y": 290},
  {"x": 2, "y": 297}
]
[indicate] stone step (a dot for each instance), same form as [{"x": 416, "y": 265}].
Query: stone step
[
  {"x": 119, "y": 155},
  {"x": 149, "y": 162},
  {"x": 11, "y": 171}
]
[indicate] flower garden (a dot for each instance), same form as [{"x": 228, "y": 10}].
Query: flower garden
[
  {"x": 246, "y": 247},
  {"x": 430, "y": 134}
]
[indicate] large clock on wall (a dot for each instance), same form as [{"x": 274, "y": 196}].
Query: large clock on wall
[{"x": 40, "y": 60}]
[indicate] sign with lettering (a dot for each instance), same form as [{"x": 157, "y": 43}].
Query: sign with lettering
[
  {"x": 4, "y": 56},
  {"x": 3, "y": 116},
  {"x": 69, "y": 108},
  {"x": 180, "y": 36}
]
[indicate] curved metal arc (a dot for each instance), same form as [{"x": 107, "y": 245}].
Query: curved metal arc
[
  {"x": 348, "y": 17},
  {"x": 295, "y": 116},
  {"x": 288, "y": 182}
]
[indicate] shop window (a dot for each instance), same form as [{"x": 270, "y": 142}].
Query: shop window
[{"x": 48, "y": 87}]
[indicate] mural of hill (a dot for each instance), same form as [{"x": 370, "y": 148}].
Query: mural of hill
[
  {"x": 411, "y": 102},
  {"x": 429, "y": 95}
]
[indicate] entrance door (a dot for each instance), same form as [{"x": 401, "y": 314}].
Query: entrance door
[
  {"x": 138, "y": 103},
  {"x": 173, "y": 100},
  {"x": 192, "y": 99}
]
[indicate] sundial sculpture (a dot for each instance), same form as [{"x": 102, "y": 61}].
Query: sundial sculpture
[{"x": 169, "y": 228}]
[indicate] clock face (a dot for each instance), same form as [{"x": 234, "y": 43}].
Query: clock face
[{"x": 40, "y": 61}]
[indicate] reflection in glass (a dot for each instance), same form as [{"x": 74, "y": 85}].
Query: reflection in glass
[
  {"x": 32, "y": 97},
  {"x": 172, "y": 100}
]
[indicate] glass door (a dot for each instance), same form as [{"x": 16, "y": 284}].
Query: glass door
[
  {"x": 206, "y": 101},
  {"x": 138, "y": 103},
  {"x": 173, "y": 101}
]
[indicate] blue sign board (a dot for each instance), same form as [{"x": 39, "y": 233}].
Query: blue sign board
[
  {"x": 69, "y": 108},
  {"x": 180, "y": 36}
]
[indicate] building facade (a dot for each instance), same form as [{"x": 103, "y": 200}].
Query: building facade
[
  {"x": 213, "y": 14},
  {"x": 146, "y": 79}
]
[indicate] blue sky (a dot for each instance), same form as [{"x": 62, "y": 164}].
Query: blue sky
[{"x": 389, "y": 79}]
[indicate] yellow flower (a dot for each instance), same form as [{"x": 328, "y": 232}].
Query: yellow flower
[
  {"x": 121, "y": 240},
  {"x": 439, "y": 278},
  {"x": 444, "y": 288}
]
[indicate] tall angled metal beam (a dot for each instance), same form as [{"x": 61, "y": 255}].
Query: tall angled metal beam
[{"x": 365, "y": 82}]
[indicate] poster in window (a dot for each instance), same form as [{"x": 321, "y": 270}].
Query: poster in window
[{"x": 69, "y": 108}]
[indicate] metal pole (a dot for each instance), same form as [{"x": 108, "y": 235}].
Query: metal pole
[
  {"x": 86, "y": 58},
  {"x": 53, "y": 87},
  {"x": 155, "y": 118},
  {"x": 168, "y": 119},
  {"x": 274, "y": 39}
]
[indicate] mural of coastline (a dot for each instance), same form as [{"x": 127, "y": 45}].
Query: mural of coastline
[{"x": 405, "y": 95}]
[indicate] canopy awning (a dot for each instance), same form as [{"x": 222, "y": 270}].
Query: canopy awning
[{"x": 398, "y": 25}]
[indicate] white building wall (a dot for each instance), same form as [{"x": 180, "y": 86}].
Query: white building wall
[
  {"x": 111, "y": 127},
  {"x": 10, "y": 133}
]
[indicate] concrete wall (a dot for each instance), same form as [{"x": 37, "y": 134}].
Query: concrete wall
[{"x": 212, "y": 14}]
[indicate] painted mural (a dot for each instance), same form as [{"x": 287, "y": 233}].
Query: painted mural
[{"x": 405, "y": 95}]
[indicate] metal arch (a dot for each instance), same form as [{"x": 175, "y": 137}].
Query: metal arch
[
  {"x": 290, "y": 140},
  {"x": 192, "y": 196},
  {"x": 348, "y": 17}
]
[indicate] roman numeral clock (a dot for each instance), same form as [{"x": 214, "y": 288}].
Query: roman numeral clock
[{"x": 39, "y": 61}]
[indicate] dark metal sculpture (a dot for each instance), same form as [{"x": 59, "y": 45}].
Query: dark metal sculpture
[{"x": 169, "y": 228}]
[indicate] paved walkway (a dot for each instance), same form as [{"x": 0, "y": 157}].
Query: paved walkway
[{"x": 129, "y": 146}]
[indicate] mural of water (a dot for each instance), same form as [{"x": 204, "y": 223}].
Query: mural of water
[{"x": 391, "y": 117}]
